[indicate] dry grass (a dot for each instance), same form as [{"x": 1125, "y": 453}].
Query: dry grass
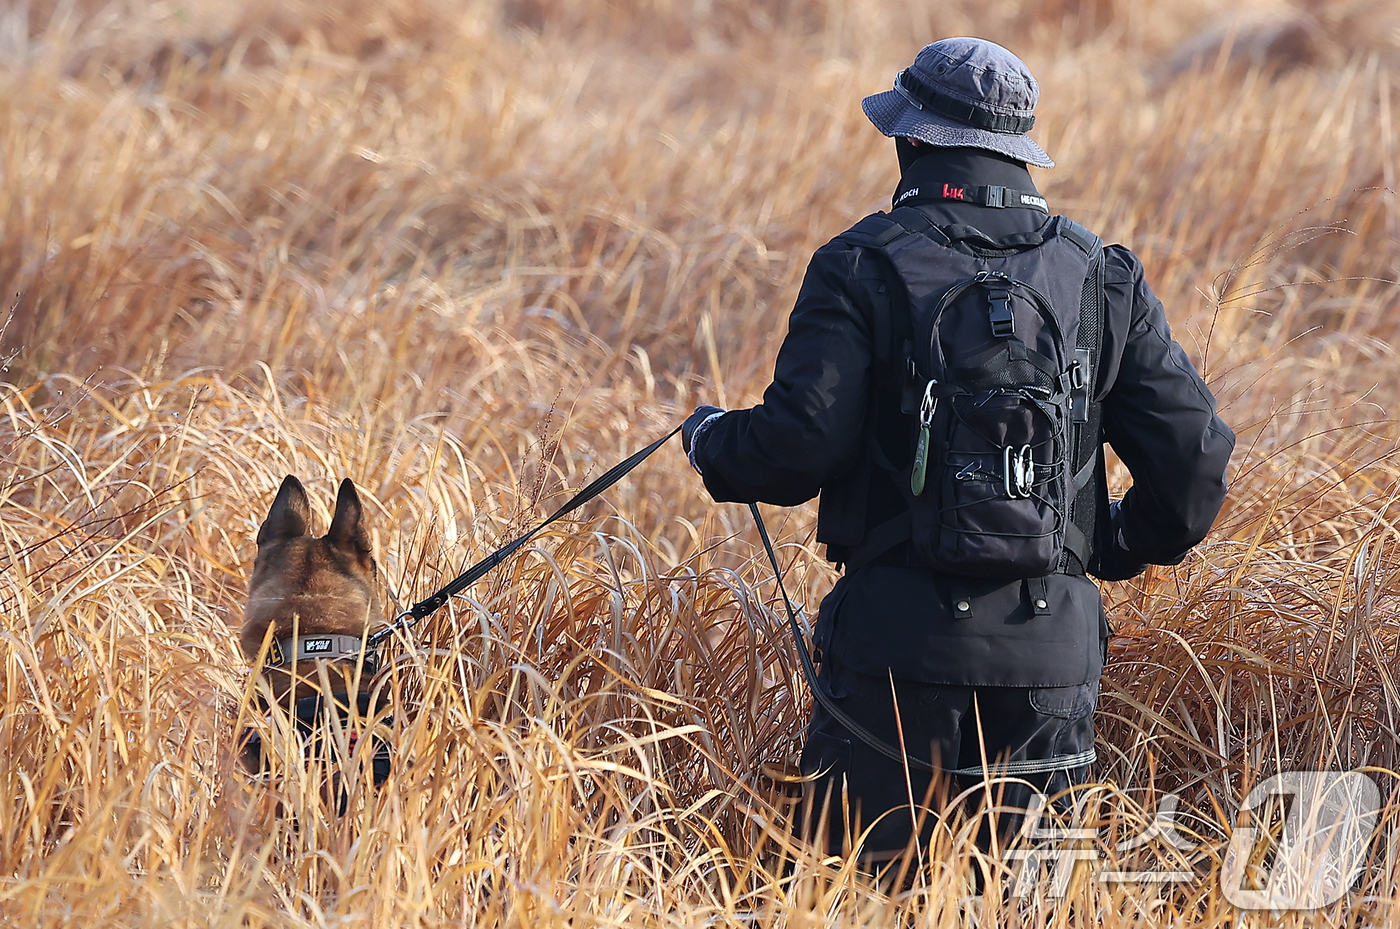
[{"x": 470, "y": 254}]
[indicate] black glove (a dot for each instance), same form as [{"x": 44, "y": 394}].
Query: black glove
[
  {"x": 1116, "y": 563},
  {"x": 693, "y": 421}
]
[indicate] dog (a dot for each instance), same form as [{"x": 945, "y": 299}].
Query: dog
[{"x": 310, "y": 602}]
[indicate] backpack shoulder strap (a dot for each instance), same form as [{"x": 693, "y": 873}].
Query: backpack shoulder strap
[
  {"x": 893, "y": 326},
  {"x": 1085, "y": 413},
  {"x": 1089, "y": 243},
  {"x": 874, "y": 231},
  {"x": 880, "y": 230},
  {"x": 979, "y": 243},
  {"x": 891, "y": 340}
]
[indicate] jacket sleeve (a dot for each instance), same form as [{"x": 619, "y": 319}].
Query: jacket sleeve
[
  {"x": 1160, "y": 419},
  {"x": 808, "y": 427}
]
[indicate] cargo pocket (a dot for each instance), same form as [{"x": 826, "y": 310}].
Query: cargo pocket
[
  {"x": 1073, "y": 702},
  {"x": 1069, "y": 713}
]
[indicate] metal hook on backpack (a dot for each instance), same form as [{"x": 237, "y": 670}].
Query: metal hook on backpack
[
  {"x": 929, "y": 406},
  {"x": 1018, "y": 471}
]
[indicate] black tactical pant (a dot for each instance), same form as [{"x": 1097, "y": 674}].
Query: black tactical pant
[{"x": 957, "y": 729}]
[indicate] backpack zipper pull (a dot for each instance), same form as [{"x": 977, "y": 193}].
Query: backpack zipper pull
[{"x": 926, "y": 410}]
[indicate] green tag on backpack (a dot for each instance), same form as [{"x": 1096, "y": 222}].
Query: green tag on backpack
[
  {"x": 927, "y": 408},
  {"x": 916, "y": 480}
]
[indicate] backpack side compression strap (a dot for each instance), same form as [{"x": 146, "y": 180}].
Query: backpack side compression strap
[{"x": 1085, "y": 414}]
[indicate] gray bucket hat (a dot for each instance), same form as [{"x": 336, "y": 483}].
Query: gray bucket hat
[{"x": 963, "y": 92}]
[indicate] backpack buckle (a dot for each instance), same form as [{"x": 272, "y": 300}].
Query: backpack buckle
[{"x": 1002, "y": 319}]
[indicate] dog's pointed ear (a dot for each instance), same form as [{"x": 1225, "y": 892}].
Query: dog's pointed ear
[
  {"x": 348, "y": 525},
  {"x": 290, "y": 515}
]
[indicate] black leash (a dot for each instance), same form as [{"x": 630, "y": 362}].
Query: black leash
[
  {"x": 426, "y": 607},
  {"x": 810, "y": 671},
  {"x": 423, "y": 608}
]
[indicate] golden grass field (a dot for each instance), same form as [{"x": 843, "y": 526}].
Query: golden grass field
[{"x": 470, "y": 253}]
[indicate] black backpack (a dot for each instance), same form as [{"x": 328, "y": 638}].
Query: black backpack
[{"x": 998, "y": 352}]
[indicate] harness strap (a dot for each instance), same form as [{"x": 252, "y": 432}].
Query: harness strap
[
  {"x": 1076, "y": 542},
  {"x": 310, "y": 712},
  {"x": 977, "y": 240},
  {"x": 1085, "y": 474},
  {"x": 881, "y": 539},
  {"x": 1086, "y": 240},
  {"x": 908, "y": 220}
]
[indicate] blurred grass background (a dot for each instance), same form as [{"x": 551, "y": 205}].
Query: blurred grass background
[{"x": 470, "y": 253}]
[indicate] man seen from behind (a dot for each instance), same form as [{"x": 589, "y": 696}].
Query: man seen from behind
[{"x": 950, "y": 373}]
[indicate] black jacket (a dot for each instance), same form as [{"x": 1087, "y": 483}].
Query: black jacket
[{"x": 810, "y": 436}]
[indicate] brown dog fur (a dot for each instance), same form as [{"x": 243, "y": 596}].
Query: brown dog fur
[{"x": 317, "y": 586}]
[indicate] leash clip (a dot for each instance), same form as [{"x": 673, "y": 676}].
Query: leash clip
[{"x": 375, "y": 638}]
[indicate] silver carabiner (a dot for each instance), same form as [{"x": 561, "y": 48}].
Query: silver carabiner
[
  {"x": 1027, "y": 471},
  {"x": 1018, "y": 472},
  {"x": 929, "y": 405}
]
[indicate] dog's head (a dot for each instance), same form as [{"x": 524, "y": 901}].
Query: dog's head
[{"x": 323, "y": 591}]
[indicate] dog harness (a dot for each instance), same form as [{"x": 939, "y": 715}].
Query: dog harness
[{"x": 308, "y": 719}]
